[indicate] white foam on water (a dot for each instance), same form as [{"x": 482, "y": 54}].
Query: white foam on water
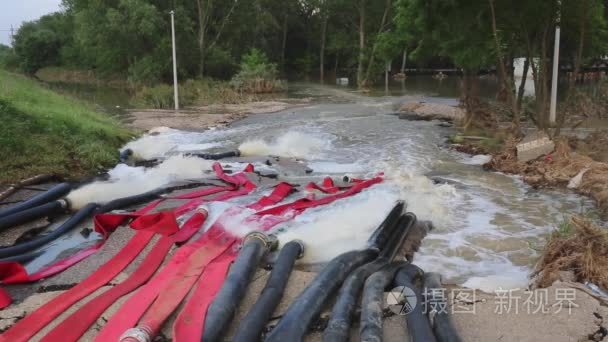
[
  {"x": 427, "y": 200},
  {"x": 128, "y": 181},
  {"x": 196, "y": 147},
  {"x": 163, "y": 141},
  {"x": 493, "y": 283},
  {"x": 481, "y": 228},
  {"x": 478, "y": 159},
  {"x": 150, "y": 146},
  {"x": 237, "y": 222},
  {"x": 292, "y": 144},
  {"x": 339, "y": 227},
  {"x": 333, "y": 167}
]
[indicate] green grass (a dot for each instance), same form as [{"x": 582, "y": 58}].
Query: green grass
[
  {"x": 191, "y": 93},
  {"x": 45, "y": 132}
]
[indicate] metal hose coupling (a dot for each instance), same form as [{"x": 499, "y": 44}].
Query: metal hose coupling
[
  {"x": 302, "y": 247},
  {"x": 125, "y": 155},
  {"x": 270, "y": 241},
  {"x": 137, "y": 334},
  {"x": 65, "y": 204}
]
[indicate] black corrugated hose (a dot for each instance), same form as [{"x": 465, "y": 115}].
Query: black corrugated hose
[
  {"x": 371, "y": 303},
  {"x": 437, "y": 311},
  {"x": 51, "y": 194},
  {"x": 252, "y": 326},
  {"x": 68, "y": 225},
  {"x": 222, "y": 309},
  {"x": 418, "y": 325}
]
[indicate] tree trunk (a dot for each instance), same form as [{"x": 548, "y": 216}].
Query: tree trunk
[
  {"x": 581, "y": 43},
  {"x": 403, "y": 61},
  {"x": 522, "y": 85},
  {"x": 387, "y": 69},
  {"x": 373, "y": 53},
  {"x": 504, "y": 75},
  {"x": 470, "y": 91},
  {"x": 336, "y": 64},
  {"x": 284, "y": 42},
  {"x": 202, "y": 28},
  {"x": 543, "y": 100},
  {"x": 361, "y": 43},
  {"x": 322, "y": 52}
]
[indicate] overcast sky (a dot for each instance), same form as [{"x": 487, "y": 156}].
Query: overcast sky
[{"x": 14, "y": 12}]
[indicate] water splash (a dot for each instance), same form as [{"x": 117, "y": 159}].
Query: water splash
[
  {"x": 127, "y": 180},
  {"x": 291, "y": 144}
]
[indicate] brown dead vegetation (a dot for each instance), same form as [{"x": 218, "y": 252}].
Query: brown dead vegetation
[
  {"x": 595, "y": 145},
  {"x": 580, "y": 248}
]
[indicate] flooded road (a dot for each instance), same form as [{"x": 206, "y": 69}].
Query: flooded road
[{"x": 488, "y": 226}]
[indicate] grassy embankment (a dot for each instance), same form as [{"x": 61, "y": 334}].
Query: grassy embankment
[{"x": 45, "y": 132}]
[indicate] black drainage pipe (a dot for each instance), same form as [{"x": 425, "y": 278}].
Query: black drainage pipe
[
  {"x": 418, "y": 324},
  {"x": 383, "y": 233},
  {"x": 216, "y": 156},
  {"x": 296, "y": 320},
  {"x": 51, "y": 194},
  {"x": 125, "y": 155},
  {"x": 131, "y": 200},
  {"x": 406, "y": 222},
  {"x": 441, "y": 322},
  {"x": 221, "y": 311},
  {"x": 63, "y": 205},
  {"x": 338, "y": 327},
  {"x": 23, "y": 258},
  {"x": 252, "y": 326},
  {"x": 49, "y": 209},
  {"x": 372, "y": 300},
  {"x": 68, "y": 225}
]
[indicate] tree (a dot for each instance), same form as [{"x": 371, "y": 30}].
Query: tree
[
  {"x": 36, "y": 47},
  {"x": 457, "y": 29},
  {"x": 210, "y": 15}
]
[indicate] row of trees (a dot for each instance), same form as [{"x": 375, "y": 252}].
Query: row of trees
[
  {"x": 478, "y": 34},
  {"x": 132, "y": 36},
  {"x": 349, "y": 37}
]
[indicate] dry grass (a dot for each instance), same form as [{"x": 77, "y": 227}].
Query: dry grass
[{"x": 578, "y": 246}]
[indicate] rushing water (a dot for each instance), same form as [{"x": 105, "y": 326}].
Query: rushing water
[{"x": 488, "y": 225}]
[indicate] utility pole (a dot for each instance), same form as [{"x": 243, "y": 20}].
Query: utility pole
[
  {"x": 553, "y": 108},
  {"x": 175, "y": 91},
  {"x": 12, "y": 35}
]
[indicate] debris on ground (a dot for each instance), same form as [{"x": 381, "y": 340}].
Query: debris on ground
[
  {"x": 534, "y": 145},
  {"x": 595, "y": 145},
  {"x": 562, "y": 168},
  {"x": 430, "y": 111},
  {"x": 578, "y": 247}
]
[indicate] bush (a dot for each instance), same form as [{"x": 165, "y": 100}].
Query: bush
[
  {"x": 146, "y": 70},
  {"x": 158, "y": 97},
  {"x": 191, "y": 92},
  {"x": 257, "y": 74},
  {"x": 8, "y": 59}
]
